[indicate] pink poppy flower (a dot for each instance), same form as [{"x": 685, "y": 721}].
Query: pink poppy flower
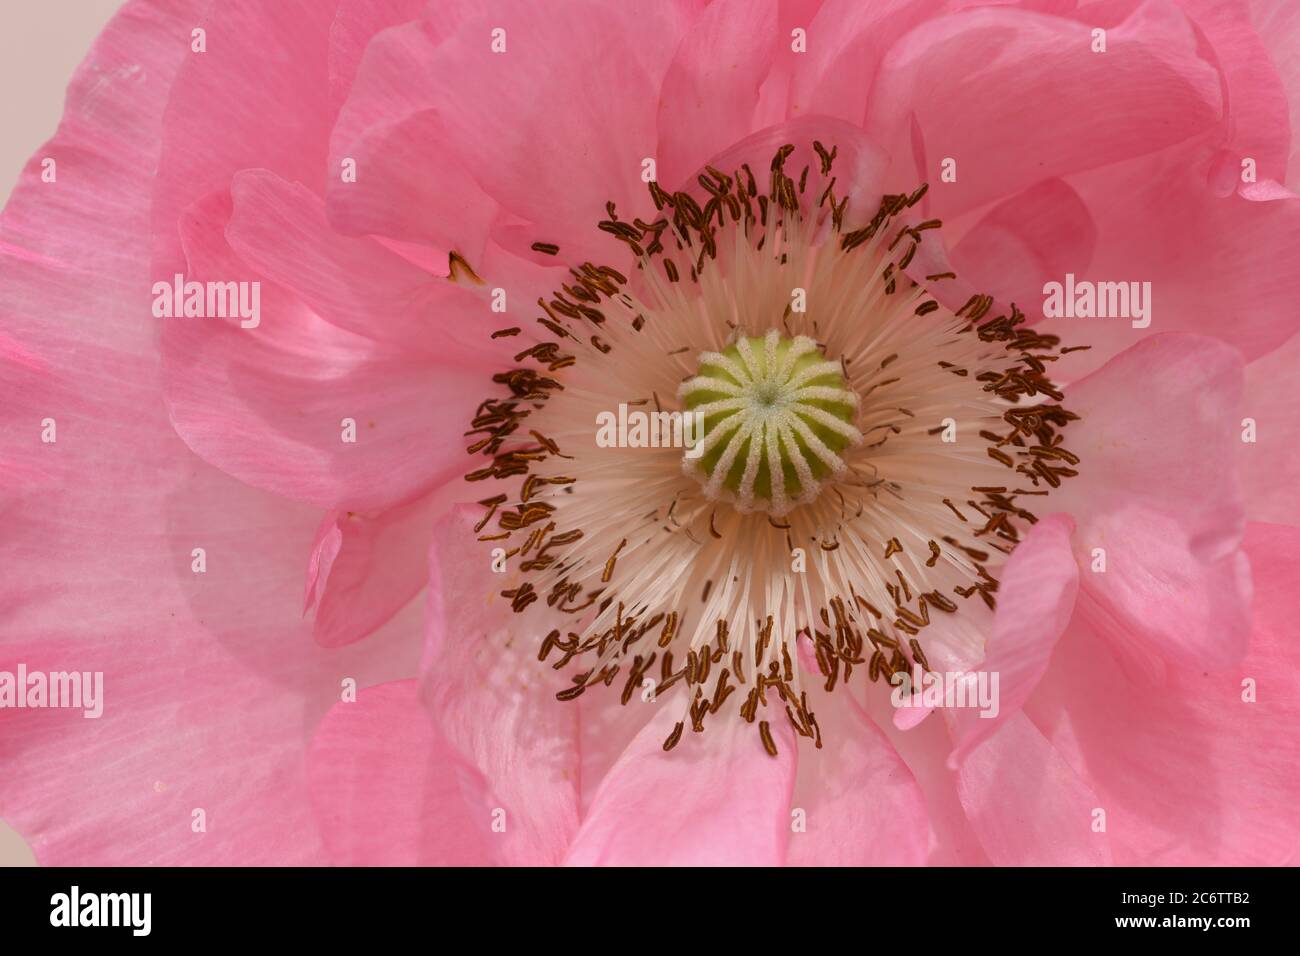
[{"x": 987, "y": 309}]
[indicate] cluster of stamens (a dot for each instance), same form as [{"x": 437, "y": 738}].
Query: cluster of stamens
[{"x": 888, "y": 441}]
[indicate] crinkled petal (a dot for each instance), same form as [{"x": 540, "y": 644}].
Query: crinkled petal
[
  {"x": 1199, "y": 770},
  {"x": 716, "y": 799},
  {"x": 1158, "y": 504},
  {"x": 494, "y": 703},
  {"x": 1218, "y": 265},
  {"x": 241, "y": 105},
  {"x": 386, "y": 790},
  {"x": 1270, "y": 465},
  {"x": 1010, "y": 94},
  {"x": 539, "y": 136},
  {"x": 405, "y": 180},
  {"x": 711, "y": 88},
  {"x": 1028, "y": 805},
  {"x": 1278, "y": 25},
  {"x": 276, "y": 404},
  {"x": 860, "y": 805},
  {"x": 1036, "y": 596},
  {"x": 279, "y": 230},
  {"x": 1026, "y": 241},
  {"x": 364, "y": 568},
  {"x": 846, "y": 43}
]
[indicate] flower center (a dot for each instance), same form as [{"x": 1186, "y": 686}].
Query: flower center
[
  {"x": 777, "y": 414},
  {"x": 870, "y": 456}
]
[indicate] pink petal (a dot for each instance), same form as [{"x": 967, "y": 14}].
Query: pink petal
[
  {"x": 717, "y": 799},
  {"x": 1034, "y": 237},
  {"x": 1035, "y": 600},
  {"x": 905, "y": 718},
  {"x": 381, "y": 76},
  {"x": 493, "y": 702},
  {"x": 410, "y": 182},
  {"x": 279, "y": 230},
  {"x": 268, "y": 404},
  {"x": 774, "y": 95},
  {"x": 539, "y": 136},
  {"x": 326, "y": 547},
  {"x": 1160, "y": 220},
  {"x": 366, "y": 568},
  {"x": 608, "y": 728},
  {"x": 1029, "y": 807},
  {"x": 847, "y": 41},
  {"x": 208, "y": 701},
  {"x": 204, "y": 697},
  {"x": 711, "y": 88},
  {"x": 1279, "y": 29},
  {"x": 1256, "y": 114},
  {"x": 1160, "y": 428},
  {"x": 1190, "y": 772},
  {"x": 356, "y": 24},
  {"x": 861, "y": 804},
  {"x": 408, "y": 187},
  {"x": 237, "y": 107},
  {"x": 386, "y": 790},
  {"x": 1011, "y": 94},
  {"x": 951, "y": 839},
  {"x": 1270, "y": 466}
]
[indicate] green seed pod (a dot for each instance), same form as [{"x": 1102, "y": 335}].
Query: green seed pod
[{"x": 777, "y": 415}]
